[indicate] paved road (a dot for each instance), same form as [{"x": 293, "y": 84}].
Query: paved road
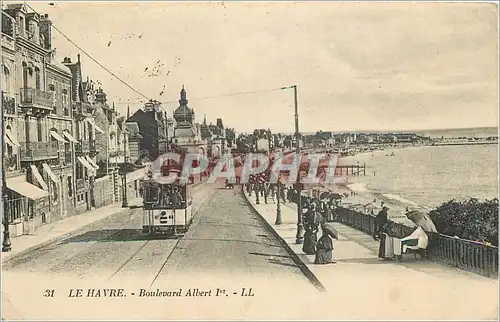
[{"x": 228, "y": 247}]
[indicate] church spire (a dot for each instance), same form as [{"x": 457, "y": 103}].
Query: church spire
[
  {"x": 128, "y": 112},
  {"x": 205, "y": 120}
]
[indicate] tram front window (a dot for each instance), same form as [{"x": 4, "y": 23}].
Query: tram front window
[
  {"x": 173, "y": 197},
  {"x": 151, "y": 194}
]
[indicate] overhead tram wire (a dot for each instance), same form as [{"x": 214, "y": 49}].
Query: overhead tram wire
[
  {"x": 92, "y": 58},
  {"x": 216, "y": 96}
]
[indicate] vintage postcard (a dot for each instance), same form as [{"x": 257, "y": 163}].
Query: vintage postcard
[{"x": 249, "y": 160}]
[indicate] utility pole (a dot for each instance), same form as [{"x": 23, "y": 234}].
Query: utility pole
[
  {"x": 6, "y": 229},
  {"x": 300, "y": 227},
  {"x": 299, "y": 238}
]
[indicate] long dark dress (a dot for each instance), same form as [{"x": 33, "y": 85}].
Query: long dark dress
[
  {"x": 381, "y": 248},
  {"x": 309, "y": 245},
  {"x": 324, "y": 250}
]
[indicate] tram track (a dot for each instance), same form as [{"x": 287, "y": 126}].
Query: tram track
[{"x": 170, "y": 252}]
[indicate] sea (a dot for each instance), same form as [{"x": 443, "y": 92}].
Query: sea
[{"x": 428, "y": 176}]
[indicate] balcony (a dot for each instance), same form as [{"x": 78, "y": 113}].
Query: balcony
[
  {"x": 7, "y": 42},
  {"x": 83, "y": 147},
  {"x": 10, "y": 162},
  {"x": 8, "y": 104},
  {"x": 31, "y": 97},
  {"x": 35, "y": 151}
]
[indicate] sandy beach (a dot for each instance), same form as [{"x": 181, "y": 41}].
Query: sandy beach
[{"x": 419, "y": 178}]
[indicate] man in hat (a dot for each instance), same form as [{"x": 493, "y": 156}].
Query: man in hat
[{"x": 380, "y": 220}]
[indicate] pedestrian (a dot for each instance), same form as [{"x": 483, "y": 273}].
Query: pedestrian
[
  {"x": 311, "y": 226},
  {"x": 324, "y": 250},
  {"x": 386, "y": 246},
  {"x": 380, "y": 220}
]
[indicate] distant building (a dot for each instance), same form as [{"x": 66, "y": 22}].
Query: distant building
[
  {"x": 152, "y": 123},
  {"x": 187, "y": 134}
]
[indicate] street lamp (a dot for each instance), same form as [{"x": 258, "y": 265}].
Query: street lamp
[
  {"x": 125, "y": 159},
  {"x": 278, "y": 205},
  {"x": 299, "y": 238},
  {"x": 6, "y": 230}
]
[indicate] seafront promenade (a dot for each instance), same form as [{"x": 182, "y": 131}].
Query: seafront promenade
[{"x": 361, "y": 286}]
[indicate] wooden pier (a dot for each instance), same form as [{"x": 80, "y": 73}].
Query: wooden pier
[{"x": 351, "y": 170}]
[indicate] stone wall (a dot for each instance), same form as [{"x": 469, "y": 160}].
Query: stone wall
[{"x": 103, "y": 191}]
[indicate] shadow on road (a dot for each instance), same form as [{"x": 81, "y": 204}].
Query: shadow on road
[
  {"x": 221, "y": 224},
  {"x": 113, "y": 235},
  {"x": 270, "y": 255},
  {"x": 231, "y": 241}
]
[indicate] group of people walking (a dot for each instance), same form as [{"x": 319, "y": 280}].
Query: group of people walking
[{"x": 315, "y": 214}]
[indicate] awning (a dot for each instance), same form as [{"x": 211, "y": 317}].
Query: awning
[
  {"x": 92, "y": 123},
  {"x": 38, "y": 177},
  {"x": 7, "y": 140},
  {"x": 51, "y": 174},
  {"x": 92, "y": 163},
  {"x": 56, "y": 136},
  {"x": 70, "y": 137},
  {"x": 86, "y": 164},
  {"x": 11, "y": 137},
  {"x": 26, "y": 189}
]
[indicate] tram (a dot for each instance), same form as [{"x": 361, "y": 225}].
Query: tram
[{"x": 167, "y": 204}]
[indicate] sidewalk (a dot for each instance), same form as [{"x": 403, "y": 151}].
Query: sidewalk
[
  {"x": 50, "y": 232},
  {"x": 361, "y": 286}
]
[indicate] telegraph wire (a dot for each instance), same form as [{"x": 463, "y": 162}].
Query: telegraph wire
[
  {"x": 92, "y": 58},
  {"x": 216, "y": 96}
]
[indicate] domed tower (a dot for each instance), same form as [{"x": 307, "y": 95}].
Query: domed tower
[{"x": 183, "y": 114}]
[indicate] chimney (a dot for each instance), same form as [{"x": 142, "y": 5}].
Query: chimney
[
  {"x": 45, "y": 26},
  {"x": 76, "y": 72}
]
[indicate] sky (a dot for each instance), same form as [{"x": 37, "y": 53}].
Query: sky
[{"x": 357, "y": 66}]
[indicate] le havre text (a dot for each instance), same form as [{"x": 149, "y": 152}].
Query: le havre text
[{"x": 189, "y": 292}]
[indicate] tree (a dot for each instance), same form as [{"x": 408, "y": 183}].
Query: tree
[{"x": 470, "y": 219}]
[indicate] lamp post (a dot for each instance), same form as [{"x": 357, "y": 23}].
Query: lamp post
[
  {"x": 125, "y": 198},
  {"x": 299, "y": 238},
  {"x": 278, "y": 204},
  {"x": 6, "y": 230}
]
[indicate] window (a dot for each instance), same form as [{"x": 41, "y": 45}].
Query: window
[
  {"x": 6, "y": 79},
  {"x": 37, "y": 78},
  {"x": 52, "y": 88},
  {"x": 70, "y": 187}
]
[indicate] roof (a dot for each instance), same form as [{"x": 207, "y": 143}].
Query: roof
[
  {"x": 59, "y": 68},
  {"x": 133, "y": 129}
]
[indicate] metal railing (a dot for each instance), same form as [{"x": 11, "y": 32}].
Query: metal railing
[
  {"x": 30, "y": 96},
  {"x": 10, "y": 162},
  {"x": 92, "y": 145},
  {"x": 460, "y": 253},
  {"x": 84, "y": 146},
  {"x": 8, "y": 104},
  {"x": 31, "y": 151}
]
